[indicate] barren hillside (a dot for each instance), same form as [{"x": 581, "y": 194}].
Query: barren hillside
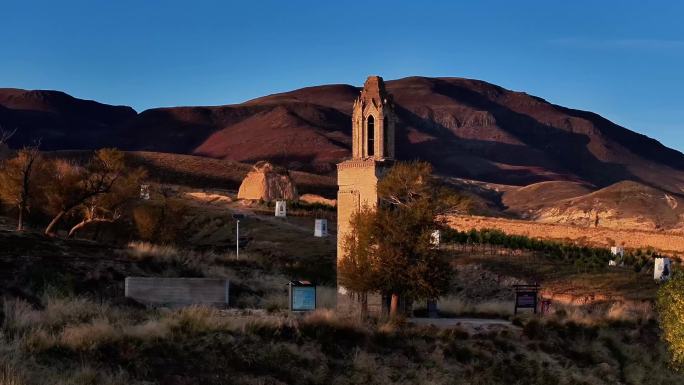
[{"x": 466, "y": 128}]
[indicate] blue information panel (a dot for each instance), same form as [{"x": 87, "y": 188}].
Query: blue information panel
[{"x": 303, "y": 298}]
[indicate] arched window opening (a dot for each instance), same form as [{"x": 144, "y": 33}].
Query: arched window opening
[
  {"x": 370, "y": 141},
  {"x": 385, "y": 138}
]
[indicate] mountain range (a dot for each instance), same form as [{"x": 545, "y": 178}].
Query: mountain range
[{"x": 466, "y": 128}]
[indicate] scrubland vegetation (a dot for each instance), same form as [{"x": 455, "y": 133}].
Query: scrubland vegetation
[
  {"x": 582, "y": 257},
  {"x": 79, "y": 341},
  {"x": 64, "y": 320}
]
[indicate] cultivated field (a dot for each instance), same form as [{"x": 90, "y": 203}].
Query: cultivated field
[{"x": 664, "y": 242}]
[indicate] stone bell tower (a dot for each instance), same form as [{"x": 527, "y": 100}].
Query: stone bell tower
[{"x": 373, "y": 150}]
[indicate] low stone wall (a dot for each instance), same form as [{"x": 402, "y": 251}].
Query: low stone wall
[{"x": 178, "y": 291}]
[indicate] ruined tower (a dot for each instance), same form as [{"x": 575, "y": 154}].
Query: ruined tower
[{"x": 373, "y": 150}]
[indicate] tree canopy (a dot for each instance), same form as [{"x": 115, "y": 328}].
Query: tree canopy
[
  {"x": 389, "y": 250},
  {"x": 671, "y": 310}
]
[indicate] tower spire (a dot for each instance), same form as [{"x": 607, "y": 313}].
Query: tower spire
[{"x": 373, "y": 122}]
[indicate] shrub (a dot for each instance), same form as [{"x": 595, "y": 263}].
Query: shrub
[
  {"x": 533, "y": 329},
  {"x": 88, "y": 336},
  {"x": 10, "y": 374},
  {"x": 160, "y": 222},
  {"x": 671, "y": 310}
]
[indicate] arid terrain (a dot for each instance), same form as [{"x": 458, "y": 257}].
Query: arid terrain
[
  {"x": 671, "y": 243},
  {"x": 465, "y": 127},
  {"x": 525, "y": 166},
  {"x": 558, "y": 165}
]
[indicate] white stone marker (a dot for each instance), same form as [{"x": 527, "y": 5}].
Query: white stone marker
[
  {"x": 662, "y": 270},
  {"x": 617, "y": 250},
  {"x": 435, "y": 238},
  {"x": 145, "y": 192},
  {"x": 280, "y": 209},
  {"x": 321, "y": 228}
]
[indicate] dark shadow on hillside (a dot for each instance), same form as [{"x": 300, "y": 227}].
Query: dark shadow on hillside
[
  {"x": 638, "y": 144},
  {"x": 567, "y": 152}
]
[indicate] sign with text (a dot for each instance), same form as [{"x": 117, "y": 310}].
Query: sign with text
[
  {"x": 526, "y": 297},
  {"x": 302, "y": 296}
]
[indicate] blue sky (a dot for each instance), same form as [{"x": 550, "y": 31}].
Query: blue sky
[{"x": 621, "y": 59}]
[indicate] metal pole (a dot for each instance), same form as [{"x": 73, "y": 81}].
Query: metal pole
[{"x": 237, "y": 240}]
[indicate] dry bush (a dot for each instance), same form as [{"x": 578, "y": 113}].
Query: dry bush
[
  {"x": 75, "y": 322},
  {"x": 88, "y": 336},
  {"x": 10, "y": 374},
  {"x": 148, "y": 330},
  {"x": 161, "y": 222},
  {"x": 319, "y": 346},
  {"x": 88, "y": 375},
  {"x": 631, "y": 311},
  {"x": 19, "y": 315},
  {"x": 38, "y": 340},
  {"x": 145, "y": 250},
  {"x": 196, "y": 319},
  {"x": 602, "y": 312},
  {"x": 455, "y": 305},
  {"x": 57, "y": 313},
  {"x": 146, "y": 219}
]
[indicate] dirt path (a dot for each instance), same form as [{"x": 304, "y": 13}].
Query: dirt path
[{"x": 474, "y": 323}]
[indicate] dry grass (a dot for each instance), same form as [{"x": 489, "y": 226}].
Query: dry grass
[
  {"x": 10, "y": 374},
  {"x": 458, "y": 306},
  {"x": 602, "y": 312},
  {"x": 207, "y": 172},
  {"x": 58, "y": 312},
  {"x": 87, "y": 336},
  {"x": 142, "y": 250},
  {"x": 316, "y": 348}
]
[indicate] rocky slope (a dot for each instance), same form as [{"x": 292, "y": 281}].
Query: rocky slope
[{"x": 623, "y": 205}]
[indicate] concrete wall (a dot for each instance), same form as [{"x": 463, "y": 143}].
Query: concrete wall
[{"x": 178, "y": 291}]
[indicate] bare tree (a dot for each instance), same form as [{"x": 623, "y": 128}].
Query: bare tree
[
  {"x": 5, "y": 136},
  {"x": 17, "y": 179},
  {"x": 93, "y": 214}
]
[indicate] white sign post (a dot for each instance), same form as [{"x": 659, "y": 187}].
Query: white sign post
[
  {"x": 321, "y": 228},
  {"x": 662, "y": 269},
  {"x": 237, "y": 218},
  {"x": 281, "y": 209}
]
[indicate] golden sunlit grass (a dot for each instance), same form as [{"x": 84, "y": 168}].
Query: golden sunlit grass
[{"x": 86, "y": 344}]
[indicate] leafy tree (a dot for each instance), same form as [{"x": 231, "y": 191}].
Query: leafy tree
[
  {"x": 107, "y": 207},
  {"x": 19, "y": 177},
  {"x": 356, "y": 269},
  {"x": 670, "y": 304},
  {"x": 394, "y": 241},
  {"x": 97, "y": 189}
]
